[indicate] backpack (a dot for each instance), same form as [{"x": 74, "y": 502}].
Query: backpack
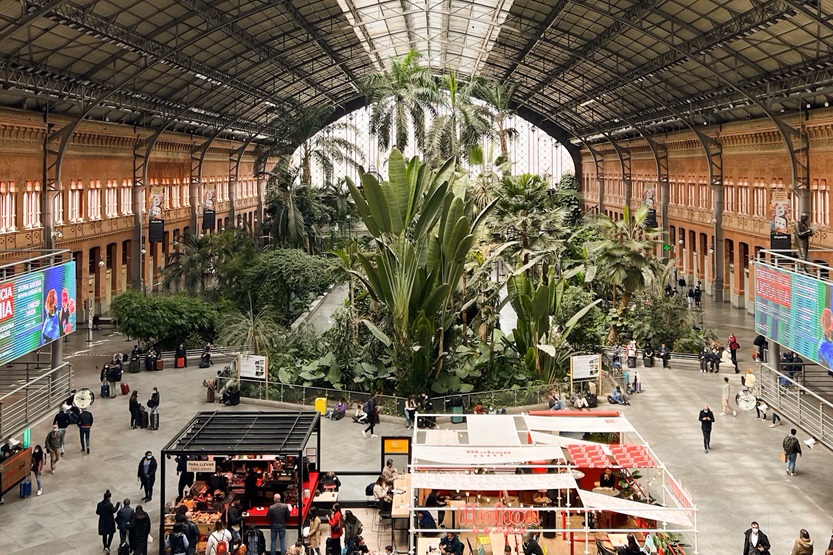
[
  {"x": 366, "y": 407},
  {"x": 222, "y": 545},
  {"x": 369, "y": 489},
  {"x": 177, "y": 542}
]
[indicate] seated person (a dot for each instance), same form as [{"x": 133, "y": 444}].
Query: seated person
[
  {"x": 608, "y": 480},
  {"x": 554, "y": 402},
  {"x": 450, "y": 545},
  {"x": 631, "y": 548},
  {"x": 297, "y": 549},
  {"x": 434, "y": 499},
  {"x": 357, "y": 545},
  {"x": 338, "y": 411},
  {"x": 579, "y": 401},
  {"x": 390, "y": 473},
  {"x": 426, "y": 521},
  {"x": 619, "y": 398},
  {"x": 531, "y": 546},
  {"x": 329, "y": 482},
  {"x": 360, "y": 416},
  {"x": 381, "y": 492},
  {"x": 478, "y": 408}
]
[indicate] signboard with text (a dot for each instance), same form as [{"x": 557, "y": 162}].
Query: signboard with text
[
  {"x": 796, "y": 311},
  {"x": 36, "y": 309},
  {"x": 200, "y": 466}
]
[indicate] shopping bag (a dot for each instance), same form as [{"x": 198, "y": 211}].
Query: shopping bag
[{"x": 783, "y": 457}]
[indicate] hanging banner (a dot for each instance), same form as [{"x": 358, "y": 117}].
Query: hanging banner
[
  {"x": 779, "y": 236},
  {"x": 156, "y": 223},
  {"x": 208, "y": 213},
  {"x": 650, "y": 203}
]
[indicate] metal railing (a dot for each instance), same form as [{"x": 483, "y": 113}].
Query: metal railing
[
  {"x": 26, "y": 404},
  {"x": 794, "y": 402}
]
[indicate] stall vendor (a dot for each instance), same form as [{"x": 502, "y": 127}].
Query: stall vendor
[
  {"x": 608, "y": 480},
  {"x": 329, "y": 482},
  {"x": 531, "y": 546}
]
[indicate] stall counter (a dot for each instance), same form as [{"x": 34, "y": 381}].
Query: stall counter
[{"x": 257, "y": 515}]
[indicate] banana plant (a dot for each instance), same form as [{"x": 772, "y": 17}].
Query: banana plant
[{"x": 419, "y": 221}]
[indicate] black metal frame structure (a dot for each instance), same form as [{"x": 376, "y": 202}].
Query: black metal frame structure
[{"x": 230, "y": 433}]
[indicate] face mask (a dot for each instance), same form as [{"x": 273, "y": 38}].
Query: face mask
[
  {"x": 755, "y": 530},
  {"x": 149, "y": 457}
]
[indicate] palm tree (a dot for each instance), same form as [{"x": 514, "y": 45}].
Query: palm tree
[
  {"x": 190, "y": 263},
  {"x": 400, "y": 97},
  {"x": 497, "y": 95},
  {"x": 625, "y": 256},
  {"x": 461, "y": 125},
  {"x": 251, "y": 332},
  {"x": 336, "y": 197}
]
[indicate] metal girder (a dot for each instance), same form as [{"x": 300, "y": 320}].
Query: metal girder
[
  {"x": 409, "y": 28},
  {"x": 198, "y": 152},
  {"x": 633, "y": 14},
  {"x": 599, "y": 162},
  {"x": 554, "y": 12},
  {"x": 714, "y": 155},
  {"x": 109, "y": 31},
  {"x": 220, "y": 20},
  {"x": 765, "y": 14},
  {"x": 361, "y": 29},
  {"x": 235, "y": 156},
  {"x": 141, "y": 157},
  {"x": 31, "y": 13},
  {"x": 313, "y": 34}
]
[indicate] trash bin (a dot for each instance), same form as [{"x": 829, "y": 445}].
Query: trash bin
[
  {"x": 321, "y": 405},
  {"x": 457, "y": 408}
]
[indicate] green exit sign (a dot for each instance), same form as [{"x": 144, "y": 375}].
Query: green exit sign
[{"x": 666, "y": 247}]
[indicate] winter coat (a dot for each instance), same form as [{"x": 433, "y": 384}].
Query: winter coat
[
  {"x": 763, "y": 541},
  {"x": 150, "y": 478},
  {"x": 106, "y": 518},
  {"x": 53, "y": 441},
  {"x": 138, "y": 533},
  {"x": 314, "y": 538},
  {"x": 802, "y": 547},
  {"x": 123, "y": 517}
]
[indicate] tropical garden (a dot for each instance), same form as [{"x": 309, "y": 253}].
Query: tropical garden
[{"x": 428, "y": 257}]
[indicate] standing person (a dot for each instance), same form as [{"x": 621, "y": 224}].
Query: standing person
[
  {"x": 138, "y": 531},
  {"x": 803, "y": 544},
  {"x": 314, "y": 534},
  {"x": 792, "y": 448},
  {"x": 749, "y": 379},
  {"x": 277, "y": 515},
  {"x": 135, "y": 410},
  {"x": 38, "y": 458},
  {"x": 336, "y": 523},
  {"x": 698, "y": 295},
  {"x": 106, "y": 520},
  {"x": 830, "y": 546},
  {"x": 724, "y": 398},
  {"x": 372, "y": 410},
  {"x": 53, "y": 446},
  {"x": 123, "y": 518},
  {"x": 114, "y": 375},
  {"x": 192, "y": 532},
  {"x": 177, "y": 543},
  {"x": 665, "y": 355},
  {"x": 733, "y": 351},
  {"x": 755, "y": 542},
  {"x": 147, "y": 475},
  {"x": 153, "y": 402},
  {"x": 250, "y": 488},
  {"x": 254, "y": 541},
  {"x": 762, "y": 344},
  {"x": 235, "y": 516},
  {"x": 219, "y": 536},
  {"x": 186, "y": 479},
  {"x": 62, "y": 420},
  {"x": 85, "y": 424},
  {"x": 410, "y": 411},
  {"x": 690, "y": 297},
  {"x": 706, "y": 420}
]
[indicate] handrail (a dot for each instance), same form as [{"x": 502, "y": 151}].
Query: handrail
[
  {"x": 48, "y": 254},
  {"x": 31, "y": 401}
]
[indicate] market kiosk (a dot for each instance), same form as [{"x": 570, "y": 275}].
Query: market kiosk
[
  {"x": 277, "y": 450},
  {"x": 505, "y": 475}
]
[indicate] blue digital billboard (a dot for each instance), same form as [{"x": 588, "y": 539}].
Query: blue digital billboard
[{"x": 36, "y": 308}]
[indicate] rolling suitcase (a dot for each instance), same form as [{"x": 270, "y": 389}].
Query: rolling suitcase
[
  {"x": 25, "y": 488},
  {"x": 144, "y": 420},
  {"x": 105, "y": 390},
  {"x": 125, "y": 388},
  {"x": 160, "y": 364},
  {"x": 154, "y": 421},
  {"x": 180, "y": 362},
  {"x": 135, "y": 366},
  {"x": 210, "y": 394},
  {"x": 234, "y": 398},
  {"x": 631, "y": 362}
]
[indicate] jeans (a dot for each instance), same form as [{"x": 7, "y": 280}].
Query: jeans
[
  {"x": 53, "y": 459},
  {"x": 791, "y": 461},
  {"x": 85, "y": 438},
  {"x": 37, "y": 479},
  {"x": 408, "y": 418},
  {"x": 148, "y": 487},
  {"x": 282, "y": 533},
  {"x": 63, "y": 432},
  {"x": 775, "y": 417}
]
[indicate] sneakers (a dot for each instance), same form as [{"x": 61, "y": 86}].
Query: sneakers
[
  {"x": 40, "y": 491},
  {"x": 722, "y": 414},
  {"x": 364, "y": 433},
  {"x": 792, "y": 473},
  {"x": 734, "y": 413},
  {"x": 773, "y": 425},
  {"x": 757, "y": 418},
  {"x": 373, "y": 436}
]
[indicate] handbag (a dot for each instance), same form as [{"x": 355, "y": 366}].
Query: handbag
[{"x": 783, "y": 456}]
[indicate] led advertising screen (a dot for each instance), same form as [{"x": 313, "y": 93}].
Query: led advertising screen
[
  {"x": 35, "y": 309},
  {"x": 795, "y": 310}
]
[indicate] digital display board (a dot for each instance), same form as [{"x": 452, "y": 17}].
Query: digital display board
[
  {"x": 35, "y": 309},
  {"x": 796, "y": 311}
]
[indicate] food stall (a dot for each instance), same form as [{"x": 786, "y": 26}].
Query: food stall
[
  {"x": 505, "y": 475},
  {"x": 276, "y": 450}
]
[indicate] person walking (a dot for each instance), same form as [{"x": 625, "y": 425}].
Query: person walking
[
  {"x": 690, "y": 296},
  {"x": 138, "y": 531},
  {"x": 698, "y": 295},
  {"x": 314, "y": 534},
  {"x": 106, "y": 520},
  {"x": 724, "y": 398},
  {"x": 53, "y": 446},
  {"x": 62, "y": 420},
  {"x": 733, "y": 351},
  {"x": 186, "y": 478},
  {"x": 755, "y": 542},
  {"x": 803, "y": 544},
  {"x": 85, "y": 424},
  {"x": 336, "y": 523},
  {"x": 665, "y": 355},
  {"x": 254, "y": 541},
  {"x": 792, "y": 449},
  {"x": 372, "y": 409},
  {"x": 135, "y": 410},
  {"x": 38, "y": 458},
  {"x": 277, "y": 515},
  {"x": 147, "y": 475},
  {"x": 123, "y": 518},
  {"x": 706, "y": 420}
]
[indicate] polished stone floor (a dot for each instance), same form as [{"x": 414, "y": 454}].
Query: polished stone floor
[{"x": 740, "y": 480}]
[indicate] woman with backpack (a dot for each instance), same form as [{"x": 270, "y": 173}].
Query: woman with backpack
[
  {"x": 177, "y": 543},
  {"x": 372, "y": 410},
  {"x": 219, "y": 541},
  {"x": 336, "y": 531}
]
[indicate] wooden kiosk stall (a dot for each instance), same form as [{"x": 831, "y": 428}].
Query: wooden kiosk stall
[
  {"x": 507, "y": 475},
  {"x": 274, "y": 451}
]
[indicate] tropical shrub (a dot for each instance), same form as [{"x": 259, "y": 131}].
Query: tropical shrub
[{"x": 165, "y": 319}]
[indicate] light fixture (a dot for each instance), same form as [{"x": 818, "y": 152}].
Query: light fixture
[
  {"x": 682, "y": 241},
  {"x": 57, "y": 234},
  {"x": 826, "y": 103},
  {"x": 144, "y": 251},
  {"x": 711, "y": 249},
  {"x": 101, "y": 261},
  {"x": 809, "y": 106}
]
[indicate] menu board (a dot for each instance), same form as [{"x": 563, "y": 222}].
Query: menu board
[
  {"x": 794, "y": 310},
  {"x": 36, "y": 309}
]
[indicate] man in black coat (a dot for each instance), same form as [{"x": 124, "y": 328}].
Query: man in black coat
[
  {"x": 755, "y": 542},
  {"x": 706, "y": 420},
  {"x": 147, "y": 475},
  {"x": 531, "y": 546}
]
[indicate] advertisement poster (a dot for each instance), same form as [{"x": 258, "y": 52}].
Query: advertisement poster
[
  {"x": 36, "y": 309},
  {"x": 796, "y": 311},
  {"x": 208, "y": 212},
  {"x": 779, "y": 223},
  {"x": 156, "y": 223},
  {"x": 650, "y": 203}
]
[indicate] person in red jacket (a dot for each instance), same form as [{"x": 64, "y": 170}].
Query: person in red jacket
[{"x": 336, "y": 531}]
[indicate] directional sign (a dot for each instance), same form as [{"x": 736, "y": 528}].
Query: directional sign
[{"x": 666, "y": 247}]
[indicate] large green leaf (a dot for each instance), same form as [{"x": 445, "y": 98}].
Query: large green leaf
[
  {"x": 362, "y": 208},
  {"x": 397, "y": 192},
  {"x": 377, "y": 202},
  {"x": 377, "y": 333}
]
